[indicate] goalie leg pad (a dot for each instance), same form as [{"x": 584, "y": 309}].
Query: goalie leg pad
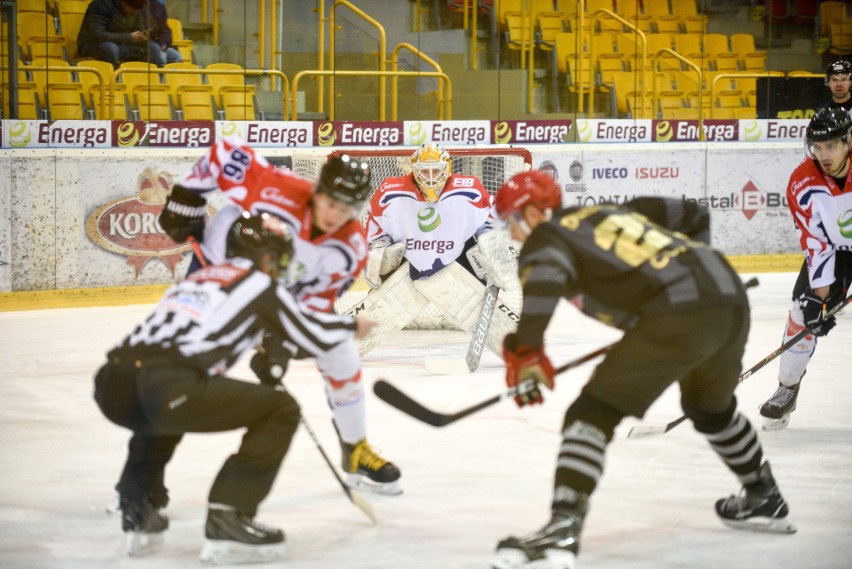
[
  {"x": 393, "y": 306},
  {"x": 458, "y": 294}
]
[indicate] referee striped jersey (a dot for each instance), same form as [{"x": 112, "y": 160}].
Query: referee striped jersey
[{"x": 220, "y": 312}]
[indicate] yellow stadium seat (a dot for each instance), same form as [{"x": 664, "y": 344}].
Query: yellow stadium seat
[
  {"x": 65, "y": 101},
  {"x": 237, "y": 103},
  {"x": 152, "y": 102},
  {"x": 195, "y": 102}
]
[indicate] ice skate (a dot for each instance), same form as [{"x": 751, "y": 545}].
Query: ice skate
[
  {"x": 143, "y": 527},
  {"x": 778, "y": 408},
  {"x": 759, "y": 507},
  {"x": 234, "y": 537},
  {"x": 366, "y": 470},
  {"x": 555, "y": 546}
]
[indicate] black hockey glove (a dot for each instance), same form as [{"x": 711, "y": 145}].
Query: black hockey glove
[
  {"x": 268, "y": 369},
  {"x": 813, "y": 310},
  {"x": 183, "y": 215}
]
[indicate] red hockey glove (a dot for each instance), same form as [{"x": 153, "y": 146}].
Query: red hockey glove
[{"x": 526, "y": 368}]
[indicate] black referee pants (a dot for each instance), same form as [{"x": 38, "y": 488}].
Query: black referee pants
[{"x": 160, "y": 403}]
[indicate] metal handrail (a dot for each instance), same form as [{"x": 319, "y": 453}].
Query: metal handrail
[
  {"x": 285, "y": 83},
  {"x": 689, "y": 63},
  {"x": 382, "y": 50},
  {"x": 108, "y": 87},
  {"x": 622, "y": 21},
  {"x": 446, "y": 104},
  {"x": 395, "y": 79},
  {"x": 67, "y": 69},
  {"x": 756, "y": 75}
]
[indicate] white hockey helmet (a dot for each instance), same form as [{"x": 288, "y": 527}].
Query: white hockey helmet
[{"x": 432, "y": 167}]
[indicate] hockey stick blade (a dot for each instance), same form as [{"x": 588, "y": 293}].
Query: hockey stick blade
[
  {"x": 470, "y": 363},
  {"x": 396, "y": 398},
  {"x": 651, "y": 430}
]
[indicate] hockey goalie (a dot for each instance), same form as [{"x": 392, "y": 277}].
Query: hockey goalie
[{"x": 432, "y": 241}]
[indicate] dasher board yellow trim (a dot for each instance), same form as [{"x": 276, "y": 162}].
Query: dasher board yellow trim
[
  {"x": 149, "y": 294},
  {"x": 80, "y": 297}
]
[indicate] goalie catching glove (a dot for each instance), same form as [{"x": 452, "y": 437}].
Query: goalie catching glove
[
  {"x": 526, "y": 368},
  {"x": 382, "y": 259},
  {"x": 494, "y": 260},
  {"x": 183, "y": 215}
]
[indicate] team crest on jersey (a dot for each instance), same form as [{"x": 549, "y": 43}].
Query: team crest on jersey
[{"x": 428, "y": 219}]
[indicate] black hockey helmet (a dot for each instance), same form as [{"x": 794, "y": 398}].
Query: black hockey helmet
[
  {"x": 253, "y": 236},
  {"x": 345, "y": 179},
  {"x": 841, "y": 67}
]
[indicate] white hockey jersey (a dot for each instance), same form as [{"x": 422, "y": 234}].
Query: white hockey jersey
[
  {"x": 323, "y": 266},
  {"x": 822, "y": 212},
  {"x": 434, "y": 233}
]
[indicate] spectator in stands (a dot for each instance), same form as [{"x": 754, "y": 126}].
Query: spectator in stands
[
  {"x": 160, "y": 31},
  {"x": 117, "y": 31},
  {"x": 838, "y": 79}
]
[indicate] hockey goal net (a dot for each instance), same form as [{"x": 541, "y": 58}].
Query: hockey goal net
[{"x": 492, "y": 165}]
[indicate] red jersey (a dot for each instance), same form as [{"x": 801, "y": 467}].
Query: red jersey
[{"x": 323, "y": 265}]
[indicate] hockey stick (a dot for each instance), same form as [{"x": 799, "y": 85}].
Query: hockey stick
[
  {"x": 396, "y": 398},
  {"x": 353, "y": 496},
  {"x": 651, "y": 430},
  {"x": 477, "y": 341}
]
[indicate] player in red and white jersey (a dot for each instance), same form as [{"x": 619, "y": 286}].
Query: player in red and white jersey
[
  {"x": 431, "y": 240},
  {"x": 819, "y": 196},
  {"x": 330, "y": 251}
]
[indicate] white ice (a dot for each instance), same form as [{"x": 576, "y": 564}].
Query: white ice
[{"x": 467, "y": 485}]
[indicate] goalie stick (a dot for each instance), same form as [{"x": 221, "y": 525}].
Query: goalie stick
[
  {"x": 651, "y": 430},
  {"x": 396, "y": 398},
  {"x": 477, "y": 342},
  {"x": 353, "y": 496}
]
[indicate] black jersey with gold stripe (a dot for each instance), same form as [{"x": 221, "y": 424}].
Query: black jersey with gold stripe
[{"x": 619, "y": 265}]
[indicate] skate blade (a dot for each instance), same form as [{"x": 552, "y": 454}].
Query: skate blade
[
  {"x": 766, "y": 525},
  {"x": 141, "y": 544},
  {"x": 776, "y": 424},
  {"x": 516, "y": 559},
  {"x": 363, "y": 483},
  {"x": 221, "y": 552}
]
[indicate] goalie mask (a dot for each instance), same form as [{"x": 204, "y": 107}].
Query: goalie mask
[
  {"x": 346, "y": 180},
  {"x": 534, "y": 188},
  {"x": 255, "y": 236},
  {"x": 828, "y": 123},
  {"x": 432, "y": 166}
]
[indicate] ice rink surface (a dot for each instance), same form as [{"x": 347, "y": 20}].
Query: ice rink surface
[{"x": 467, "y": 485}]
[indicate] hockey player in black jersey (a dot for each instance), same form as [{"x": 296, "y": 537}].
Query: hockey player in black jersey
[
  {"x": 686, "y": 320},
  {"x": 166, "y": 378}
]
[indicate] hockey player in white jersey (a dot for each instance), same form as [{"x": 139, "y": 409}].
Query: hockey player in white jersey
[
  {"x": 167, "y": 378},
  {"x": 431, "y": 240},
  {"x": 819, "y": 196},
  {"x": 330, "y": 251}
]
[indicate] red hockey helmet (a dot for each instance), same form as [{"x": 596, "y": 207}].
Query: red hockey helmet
[{"x": 527, "y": 188}]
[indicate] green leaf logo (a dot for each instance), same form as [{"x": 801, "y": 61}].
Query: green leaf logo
[
  {"x": 428, "y": 219},
  {"x": 844, "y": 222}
]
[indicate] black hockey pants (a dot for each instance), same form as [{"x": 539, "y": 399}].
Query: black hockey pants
[{"x": 160, "y": 402}]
